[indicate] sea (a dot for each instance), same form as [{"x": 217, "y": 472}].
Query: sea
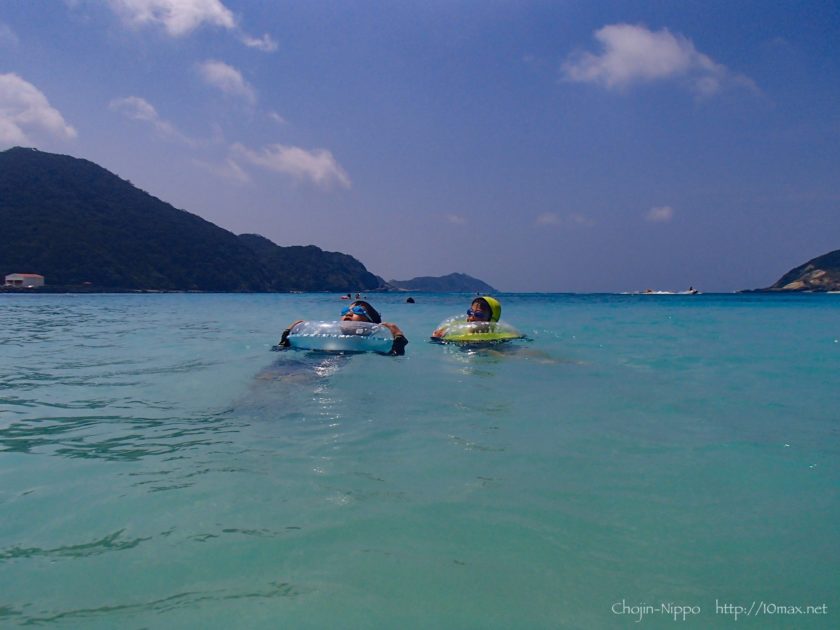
[{"x": 638, "y": 461}]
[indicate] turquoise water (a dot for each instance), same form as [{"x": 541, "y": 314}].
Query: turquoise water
[{"x": 161, "y": 468}]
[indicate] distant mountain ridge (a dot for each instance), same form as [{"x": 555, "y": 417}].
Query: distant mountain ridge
[
  {"x": 452, "y": 283},
  {"x": 309, "y": 268},
  {"x": 818, "y": 274},
  {"x": 78, "y": 224}
]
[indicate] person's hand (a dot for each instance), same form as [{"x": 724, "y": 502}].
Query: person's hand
[
  {"x": 284, "y": 338},
  {"x": 400, "y": 342},
  {"x": 398, "y": 347}
]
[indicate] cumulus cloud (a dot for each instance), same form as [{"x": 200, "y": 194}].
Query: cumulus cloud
[
  {"x": 136, "y": 108},
  {"x": 178, "y": 17},
  {"x": 24, "y": 108},
  {"x": 227, "y": 79},
  {"x": 318, "y": 165},
  {"x": 634, "y": 54},
  {"x": 181, "y": 17},
  {"x": 660, "y": 214}
]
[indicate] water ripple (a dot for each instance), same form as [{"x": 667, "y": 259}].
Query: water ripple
[
  {"x": 185, "y": 600},
  {"x": 112, "y": 437},
  {"x": 111, "y": 542}
]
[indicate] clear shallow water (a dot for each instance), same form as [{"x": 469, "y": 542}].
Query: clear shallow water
[{"x": 160, "y": 467}]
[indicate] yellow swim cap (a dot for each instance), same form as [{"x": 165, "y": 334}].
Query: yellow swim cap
[{"x": 495, "y": 307}]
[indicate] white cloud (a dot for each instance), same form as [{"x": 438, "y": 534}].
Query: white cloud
[
  {"x": 137, "y": 108},
  {"x": 455, "y": 219},
  {"x": 548, "y": 218},
  {"x": 318, "y": 166},
  {"x": 227, "y": 79},
  {"x": 575, "y": 219},
  {"x": 178, "y": 17},
  {"x": 8, "y": 36},
  {"x": 24, "y": 108},
  {"x": 181, "y": 17},
  {"x": 581, "y": 220},
  {"x": 633, "y": 54},
  {"x": 230, "y": 170},
  {"x": 265, "y": 43},
  {"x": 11, "y": 134},
  {"x": 660, "y": 214},
  {"x": 276, "y": 118}
]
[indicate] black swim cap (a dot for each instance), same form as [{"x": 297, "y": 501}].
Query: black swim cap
[{"x": 373, "y": 314}]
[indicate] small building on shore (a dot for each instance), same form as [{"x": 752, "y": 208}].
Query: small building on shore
[{"x": 24, "y": 280}]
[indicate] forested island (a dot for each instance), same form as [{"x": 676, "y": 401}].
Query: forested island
[
  {"x": 452, "y": 283},
  {"x": 85, "y": 229}
]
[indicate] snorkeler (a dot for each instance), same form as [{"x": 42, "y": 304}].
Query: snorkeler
[
  {"x": 483, "y": 309},
  {"x": 360, "y": 311}
]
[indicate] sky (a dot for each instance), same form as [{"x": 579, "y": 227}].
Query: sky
[{"x": 539, "y": 146}]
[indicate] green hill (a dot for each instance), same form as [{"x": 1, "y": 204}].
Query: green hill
[
  {"x": 308, "y": 268},
  {"x": 75, "y": 223}
]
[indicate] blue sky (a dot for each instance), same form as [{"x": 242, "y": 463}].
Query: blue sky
[{"x": 539, "y": 146}]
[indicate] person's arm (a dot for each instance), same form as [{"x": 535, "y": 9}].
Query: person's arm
[
  {"x": 444, "y": 327},
  {"x": 400, "y": 342},
  {"x": 284, "y": 338}
]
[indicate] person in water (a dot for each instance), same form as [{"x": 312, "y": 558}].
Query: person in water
[
  {"x": 483, "y": 309},
  {"x": 360, "y": 311}
]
